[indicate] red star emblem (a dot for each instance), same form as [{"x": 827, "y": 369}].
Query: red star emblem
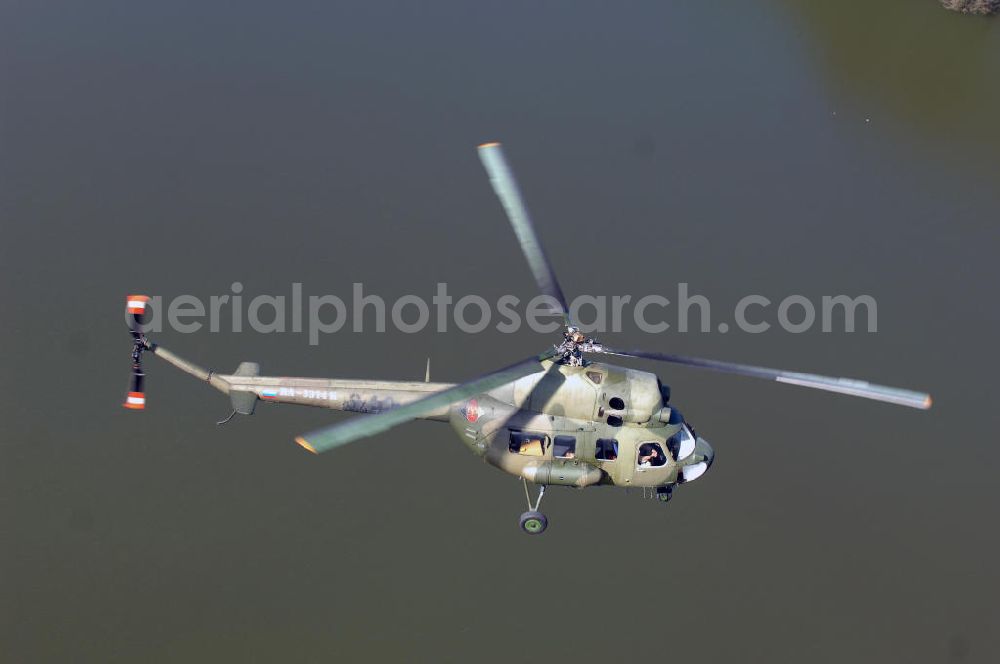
[{"x": 472, "y": 410}]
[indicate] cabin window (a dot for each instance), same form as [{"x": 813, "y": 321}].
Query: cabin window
[
  {"x": 564, "y": 447},
  {"x": 616, "y": 403},
  {"x": 607, "y": 449},
  {"x": 614, "y": 420},
  {"x": 595, "y": 377},
  {"x": 528, "y": 444},
  {"x": 651, "y": 455}
]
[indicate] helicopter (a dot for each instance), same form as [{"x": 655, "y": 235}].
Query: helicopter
[{"x": 558, "y": 418}]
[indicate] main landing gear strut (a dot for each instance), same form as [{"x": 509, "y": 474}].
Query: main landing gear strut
[{"x": 533, "y": 522}]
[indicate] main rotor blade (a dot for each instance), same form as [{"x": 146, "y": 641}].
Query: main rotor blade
[
  {"x": 342, "y": 433},
  {"x": 855, "y": 388},
  {"x": 507, "y": 191}
]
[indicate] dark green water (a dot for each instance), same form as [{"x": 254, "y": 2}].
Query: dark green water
[{"x": 773, "y": 148}]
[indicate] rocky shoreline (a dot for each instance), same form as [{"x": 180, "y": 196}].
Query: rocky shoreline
[{"x": 983, "y": 7}]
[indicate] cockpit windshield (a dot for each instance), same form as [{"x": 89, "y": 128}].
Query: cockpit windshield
[{"x": 681, "y": 444}]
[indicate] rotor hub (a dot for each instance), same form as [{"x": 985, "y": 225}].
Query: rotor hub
[{"x": 574, "y": 344}]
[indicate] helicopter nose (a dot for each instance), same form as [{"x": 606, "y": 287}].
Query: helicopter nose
[
  {"x": 700, "y": 462},
  {"x": 702, "y": 447}
]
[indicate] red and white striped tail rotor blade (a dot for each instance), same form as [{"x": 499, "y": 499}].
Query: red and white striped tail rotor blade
[
  {"x": 136, "y": 304},
  {"x": 135, "y": 399},
  {"x": 135, "y": 310}
]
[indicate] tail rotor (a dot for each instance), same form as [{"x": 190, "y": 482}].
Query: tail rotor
[{"x": 135, "y": 308}]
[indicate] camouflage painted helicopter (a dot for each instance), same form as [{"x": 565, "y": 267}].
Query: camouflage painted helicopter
[{"x": 557, "y": 418}]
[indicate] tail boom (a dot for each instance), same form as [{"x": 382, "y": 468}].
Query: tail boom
[{"x": 349, "y": 395}]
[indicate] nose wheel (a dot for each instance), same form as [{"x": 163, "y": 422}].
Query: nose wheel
[
  {"x": 533, "y": 522},
  {"x": 664, "y": 493}
]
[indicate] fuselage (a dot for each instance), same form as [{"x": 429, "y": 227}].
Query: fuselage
[{"x": 565, "y": 425}]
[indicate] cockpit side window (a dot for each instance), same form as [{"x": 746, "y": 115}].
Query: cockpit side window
[
  {"x": 528, "y": 444},
  {"x": 607, "y": 449},
  {"x": 651, "y": 455},
  {"x": 564, "y": 447}
]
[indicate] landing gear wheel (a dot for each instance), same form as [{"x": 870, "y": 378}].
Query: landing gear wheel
[
  {"x": 664, "y": 493},
  {"x": 533, "y": 523}
]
